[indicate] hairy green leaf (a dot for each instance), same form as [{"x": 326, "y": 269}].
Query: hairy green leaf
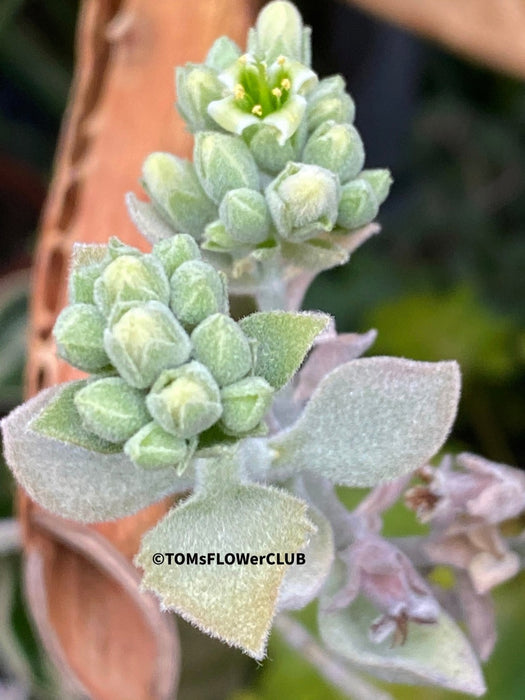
[{"x": 371, "y": 420}]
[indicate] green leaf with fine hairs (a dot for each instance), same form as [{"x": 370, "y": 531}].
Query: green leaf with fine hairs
[
  {"x": 52, "y": 462},
  {"x": 283, "y": 339},
  {"x": 433, "y": 654},
  {"x": 235, "y": 603},
  {"x": 371, "y": 420}
]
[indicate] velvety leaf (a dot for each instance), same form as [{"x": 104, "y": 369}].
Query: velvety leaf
[
  {"x": 372, "y": 419},
  {"x": 71, "y": 480},
  {"x": 283, "y": 340},
  {"x": 235, "y": 603},
  {"x": 436, "y": 654},
  {"x": 147, "y": 220}
]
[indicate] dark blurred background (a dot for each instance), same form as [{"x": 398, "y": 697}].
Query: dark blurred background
[{"x": 445, "y": 279}]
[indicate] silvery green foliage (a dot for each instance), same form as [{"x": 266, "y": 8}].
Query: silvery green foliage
[{"x": 184, "y": 397}]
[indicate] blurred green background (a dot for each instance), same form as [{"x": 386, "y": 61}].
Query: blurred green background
[{"x": 445, "y": 279}]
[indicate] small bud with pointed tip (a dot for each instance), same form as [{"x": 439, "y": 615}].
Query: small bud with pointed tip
[
  {"x": 218, "y": 239},
  {"x": 78, "y": 334},
  {"x": 380, "y": 180},
  {"x": 303, "y": 201},
  {"x": 87, "y": 264},
  {"x": 278, "y": 31},
  {"x": 144, "y": 341},
  {"x": 111, "y": 409},
  {"x": 219, "y": 343},
  {"x": 245, "y": 215},
  {"x": 358, "y": 205},
  {"x": 337, "y": 147},
  {"x": 176, "y": 193},
  {"x": 198, "y": 290},
  {"x": 174, "y": 251},
  {"x": 197, "y": 86},
  {"x": 267, "y": 150},
  {"x": 116, "y": 247},
  {"x": 223, "y": 163},
  {"x": 330, "y": 101},
  {"x": 185, "y": 401},
  {"x": 131, "y": 278},
  {"x": 222, "y": 54},
  {"x": 153, "y": 448},
  {"x": 245, "y": 403}
]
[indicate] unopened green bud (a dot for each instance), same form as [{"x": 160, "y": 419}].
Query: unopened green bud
[
  {"x": 223, "y": 163},
  {"x": 337, "y": 147},
  {"x": 278, "y": 31},
  {"x": 219, "y": 343},
  {"x": 88, "y": 261},
  {"x": 174, "y": 251},
  {"x": 358, "y": 205},
  {"x": 197, "y": 86},
  {"x": 154, "y": 448},
  {"x": 144, "y": 341},
  {"x": 197, "y": 291},
  {"x": 185, "y": 401},
  {"x": 222, "y": 54},
  {"x": 245, "y": 404},
  {"x": 111, "y": 409},
  {"x": 380, "y": 179},
  {"x": 269, "y": 154},
  {"x": 79, "y": 334},
  {"x": 116, "y": 248},
  {"x": 131, "y": 278},
  {"x": 175, "y": 191},
  {"x": 245, "y": 215},
  {"x": 218, "y": 239},
  {"x": 303, "y": 201},
  {"x": 330, "y": 101}
]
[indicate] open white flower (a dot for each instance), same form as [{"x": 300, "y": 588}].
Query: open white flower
[{"x": 260, "y": 93}]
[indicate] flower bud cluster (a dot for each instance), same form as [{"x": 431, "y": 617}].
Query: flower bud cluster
[
  {"x": 168, "y": 360},
  {"x": 276, "y": 154}
]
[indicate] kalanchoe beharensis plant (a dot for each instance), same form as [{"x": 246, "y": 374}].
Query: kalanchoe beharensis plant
[{"x": 181, "y": 396}]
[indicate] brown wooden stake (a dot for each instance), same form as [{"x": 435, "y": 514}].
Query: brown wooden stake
[{"x": 81, "y": 586}]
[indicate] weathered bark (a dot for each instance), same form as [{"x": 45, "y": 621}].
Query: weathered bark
[
  {"x": 81, "y": 586},
  {"x": 488, "y": 31}
]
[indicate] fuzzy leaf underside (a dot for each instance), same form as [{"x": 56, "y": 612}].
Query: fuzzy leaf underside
[
  {"x": 371, "y": 420},
  {"x": 76, "y": 482},
  {"x": 234, "y": 603},
  {"x": 283, "y": 339},
  {"x": 433, "y": 654}
]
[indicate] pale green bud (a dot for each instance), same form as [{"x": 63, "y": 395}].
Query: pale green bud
[
  {"x": 185, "y": 401},
  {"x": 329, "y": 101},
  {"x": 380, "y": 179},
  {"x": 358, "y": 205},
  {"x": 337, "y": 147},
  {"x": 278, "y": 31},
  {"x": 303, "y": 201},
  {"x": 271, "y": 155},
  {"x": 144, "y": 341},
  {"x": 244, "y": 404},
  {"x": 197, "y": 86},
  {"x": 218, "y": 239},
  {"x": 131, "y": 278},
  {"x": 245, "y": 215},
  {"x": 223, "y": 163},
  {"x": 154, "y": 448},
  {"x": 116, "y": 248},
  {"x": 174, "y": 251},
  {"x": 222, "y": 54},
  {"x": 87, "y": 262},
  {"x": 111, "y": 409},
  {"x": 197, "y": 291},
  {"x": 219, "y": 343},
  {"x": 175, "y": 191},
  {"x": 79, "y": 334}
]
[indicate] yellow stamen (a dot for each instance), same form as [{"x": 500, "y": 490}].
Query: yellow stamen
[
  {"x": 281, "y": 60},
  {"x": 243, "y": 58},
  {"x": 277, "y": 92},
  {"x": 286, "y": 84},
  {"x": 257, "y": 110},
  {"x": 239, "y": 92}
]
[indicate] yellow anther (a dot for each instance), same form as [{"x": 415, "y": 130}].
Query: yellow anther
[
  {"x": 277, "y": 92},
  {"x": 239, "y": 92},
  {"x": 257, "y": 110},
  {"x": 286, "y": 84},
  {"x": 243, "y": 58},
  {"x": 281, "y": 60}
]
